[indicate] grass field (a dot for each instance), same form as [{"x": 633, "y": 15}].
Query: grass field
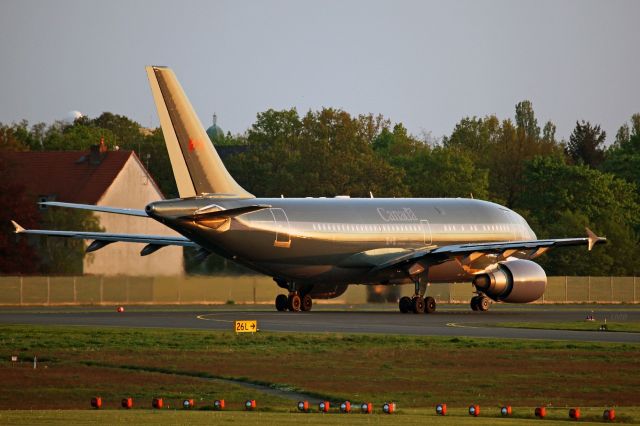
[
  {"x": 77, "y": 363},
  {"x": 629, "y": 327},
  {"x": 148, "y": 417}
]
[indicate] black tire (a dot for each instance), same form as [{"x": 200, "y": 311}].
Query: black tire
[
  {"x": 295, "y": 303},
  {"x": 417, "y": 305},
  {"x": 484, "y": 303},
  {"x": 429, "y": 305},
  {"x": 307, "y": 303},
  {"x": 474, "y": 303},
  {"x": 282, "y": 302},
  {"x": 405, "y": 304}
]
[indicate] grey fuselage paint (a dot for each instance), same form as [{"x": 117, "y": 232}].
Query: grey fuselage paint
[{"x": 340, "y": 240}]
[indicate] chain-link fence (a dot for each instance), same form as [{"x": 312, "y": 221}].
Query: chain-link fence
[{"x": 97, "y": 290}]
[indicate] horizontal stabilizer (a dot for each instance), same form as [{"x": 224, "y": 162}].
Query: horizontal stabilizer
[{"x": 94, "y": 208}]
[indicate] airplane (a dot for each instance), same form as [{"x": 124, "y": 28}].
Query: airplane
[{"x": 314, "y": 248}]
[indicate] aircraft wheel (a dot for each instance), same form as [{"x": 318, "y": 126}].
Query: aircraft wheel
[
  {"x": 474, "y": 303},
  {"x": 295, "y": 303},
  {"x": 282, "y": 302},
  {"x": 429, "y": 304},
  {"x": 307, "y": 303},
  {"x": 405, "y": 304},
  {"x": 483, "y": 303},
  {"x": 417, "y": 305}
]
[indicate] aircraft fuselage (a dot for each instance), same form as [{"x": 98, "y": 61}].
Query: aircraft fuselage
[{"x": 314, "y": 240}]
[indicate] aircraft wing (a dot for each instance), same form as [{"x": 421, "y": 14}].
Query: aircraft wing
[
  {"x": 93, "y": 208},
  {"x": 102, "y": 239},
  {"x": 466, "y": 254}
]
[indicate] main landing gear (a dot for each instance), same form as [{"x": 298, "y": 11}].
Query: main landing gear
[
  {"x": 480, "y": 303},
  {"x": 417, "y": 304},
  {"x": 294, "y": 302}
]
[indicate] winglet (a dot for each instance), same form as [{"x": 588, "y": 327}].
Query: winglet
[
  {"x": 593, "y": 238},
  {"x": 18, "y": 229}
]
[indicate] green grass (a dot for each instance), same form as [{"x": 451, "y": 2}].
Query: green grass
[
  {"x": 415, "y": 371},
  {"x": 149, "y": 417},
  {"x": 629, "y": 327}
]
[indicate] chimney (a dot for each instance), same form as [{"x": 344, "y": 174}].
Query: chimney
[{"x": 97, "y": 153}]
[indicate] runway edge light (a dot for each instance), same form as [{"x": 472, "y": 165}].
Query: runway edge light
[
  {"x": 540, "y": 412},
  {"x": 345, "y": 407},
  {"x": 157, "y": 403},
  {"x": 389, "y": 407},
  {"x": 366, "y": 408},
  {"x": 303, "y": 406},
  {"x": 324, "y": 406},
  {"x": 574, "y": 413},
  {"x": 474, "y": 410},
  {"x": 506, "y": 410},
  {"x": 218, "y": 404},
  {"x": 250, "y": 405},
  {"x": 188, "y": 403},
  {"x": 441, "y": 409},
  {"x": 127, "y": 403},
  {"x": 609, "y": 414},
  {"x": 96, "y": 402}
]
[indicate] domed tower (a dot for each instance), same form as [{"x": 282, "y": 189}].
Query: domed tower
[{"x": 214, "y": 132}]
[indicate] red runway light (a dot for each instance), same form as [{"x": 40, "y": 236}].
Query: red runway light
[
  {"x": 574, "y": 413},
  {"x": 157, "y": 403},
  {"x": 324, "y": 406},
  {"x": 345, "y": 407},
  {"x": 609, "y": 414},
  {"x": 218, "y": 404},
  {"x": 541, "y": 412},
  {"x": 188, "y": 403},
  {"x": 127, "y": 403},
  {"x": 441, "y": 409},
  {"x": 303, "y": 406},
  {"x": 389, "y": 407},
  {"x": 250, "y": 405},
  {"x": 96, "y": 402},
  {"x": 506, "y": 411},
  {"x": 120, "y": 309},
  {"x": 366, "y": 408}
]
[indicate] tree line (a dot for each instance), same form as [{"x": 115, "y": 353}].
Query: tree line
[{"x": 558, "y": 186}]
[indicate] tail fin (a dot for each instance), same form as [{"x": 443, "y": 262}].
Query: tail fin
[{"x": 196, "y": 165}]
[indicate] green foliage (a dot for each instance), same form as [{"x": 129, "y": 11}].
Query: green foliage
[
  {"x": 65, "y": 255},
  {"x": 560, "y": 200},
  {"x": 325, "y": 153},
  {"x": 586, "y": 144}
]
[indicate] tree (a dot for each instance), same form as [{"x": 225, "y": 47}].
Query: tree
[
  {"x": 586, "y": 144},
  {"x": 623, "y": 157},
  {"x": 559, "y": 200},
  {"x": 526, "y": 120}
]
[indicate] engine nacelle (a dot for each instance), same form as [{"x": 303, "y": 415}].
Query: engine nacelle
[{"x": 513, "y": 281}]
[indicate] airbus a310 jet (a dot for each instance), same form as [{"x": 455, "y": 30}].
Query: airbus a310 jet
[{"x": 317, "y": 247}]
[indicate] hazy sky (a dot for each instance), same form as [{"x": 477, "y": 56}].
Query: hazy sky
[{"x": 424, "y": 63}]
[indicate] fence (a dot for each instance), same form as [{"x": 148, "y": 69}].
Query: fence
[{"x": 98, "y": 290}]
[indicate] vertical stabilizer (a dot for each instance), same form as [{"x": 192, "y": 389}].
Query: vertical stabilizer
[{"x": 196, "y": 165}]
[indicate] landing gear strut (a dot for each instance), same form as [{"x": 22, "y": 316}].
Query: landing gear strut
[
  {"x": 417, "y": 304},
  {"x": 480, "y": 303}
]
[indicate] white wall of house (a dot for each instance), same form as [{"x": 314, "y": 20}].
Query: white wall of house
[{"x": 134, "y": 189}]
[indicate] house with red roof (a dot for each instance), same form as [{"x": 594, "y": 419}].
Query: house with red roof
[{"x": 104, "y": 178}]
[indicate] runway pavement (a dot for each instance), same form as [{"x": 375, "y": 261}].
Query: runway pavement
[{"x": 449, "y": 320}]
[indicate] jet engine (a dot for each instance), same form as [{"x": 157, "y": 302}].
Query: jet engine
[{"x": 513, "y": 281}]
